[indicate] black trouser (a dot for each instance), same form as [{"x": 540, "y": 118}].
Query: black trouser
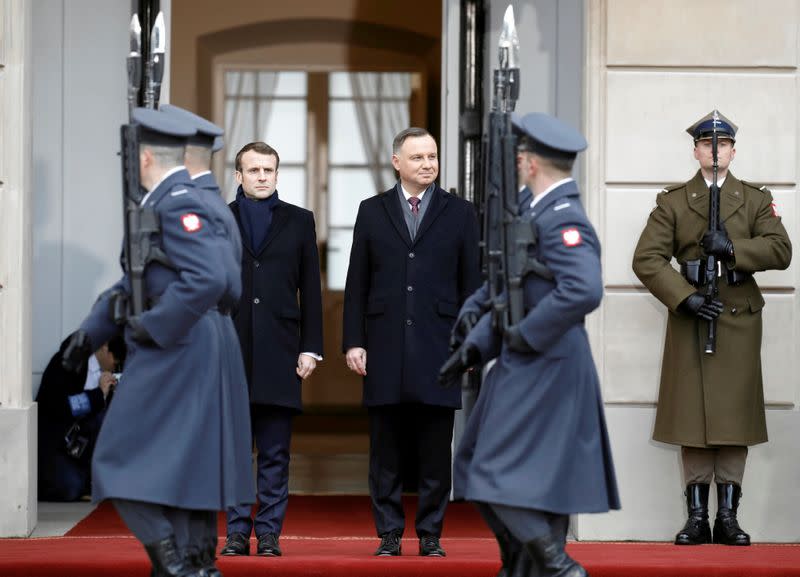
[
  {"x": 423, "y": 433},
  {"x": 272, "y": 431}
]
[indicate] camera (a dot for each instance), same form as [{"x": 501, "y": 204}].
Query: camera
[{"x": 75, "y": 442}]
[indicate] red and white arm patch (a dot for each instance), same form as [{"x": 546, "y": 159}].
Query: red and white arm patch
[
  {"x": 571, "y": 237},
  {"x": 191, "y": 222},
  {"x": 774, "y": 208}
]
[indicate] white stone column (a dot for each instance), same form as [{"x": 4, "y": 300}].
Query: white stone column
[{"x": 17, "y": 411}]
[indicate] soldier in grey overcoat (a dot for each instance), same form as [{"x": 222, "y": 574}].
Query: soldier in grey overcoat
[
  {"x": 712, "y": 405},
  {"x": 535, "y": 449},
  {"x": 172, "y": 442}
]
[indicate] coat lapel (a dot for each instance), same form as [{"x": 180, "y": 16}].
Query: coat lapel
[
  {"x": 697, "y": 195},
  {"x": 235, "y": 210},
  {"x": 437, "y": 203},
  {"x": 279, "y": 217},
  {"x": 730, "y": 196},
  {"x": 392, "y": 206}
]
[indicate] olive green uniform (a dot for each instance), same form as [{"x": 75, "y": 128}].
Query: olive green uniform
[{"x": 711, "y": 400}]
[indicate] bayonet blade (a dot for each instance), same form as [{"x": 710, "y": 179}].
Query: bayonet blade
[
  {"x": 135, "y": 36},
  {"x": 509, "y": 42},
  {"x": 158, "y": 37}
]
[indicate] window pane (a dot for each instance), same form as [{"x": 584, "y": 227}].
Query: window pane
[
  {"x": 239, "y": 126},
  {"x": 346, "y": 145},
  {"x": 292, "y": 185},
  {"x": 347, "y": 187},
  {"x": 288, "y": 84},
  {"x": 239, "y": 83},
  {"x": 339, "y": 85},
  {"x": 339, "y": 243},
  {"x": 283, "y": 126},
  {"x": 370, "y": 85}
]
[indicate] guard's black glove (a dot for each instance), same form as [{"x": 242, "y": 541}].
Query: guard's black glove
[
  {"x": 695, "y": 304},
  {"x": 139, "y": 333},
  {"x": 462, "y": 328},
  {"x": 466, "y": 357},
  {"x": 718, "y": 244},
  {"x": 78, "y": 351},
  {"x": 514, "y": 341}
]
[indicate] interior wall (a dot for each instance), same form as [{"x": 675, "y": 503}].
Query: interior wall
[{"x": 205, "y": 30}]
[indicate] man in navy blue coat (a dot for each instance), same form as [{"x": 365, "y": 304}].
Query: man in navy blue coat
[
  {"x": 174, "y": 440},
  {"x": 413, "y": 262},
  {"x": 535, "y": 449},
  {"x": 279, "y": 323}
]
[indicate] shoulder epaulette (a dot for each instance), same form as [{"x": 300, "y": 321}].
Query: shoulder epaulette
[
  {"x": 762, "y": 188},
  {"x": 668, "y": 189}
]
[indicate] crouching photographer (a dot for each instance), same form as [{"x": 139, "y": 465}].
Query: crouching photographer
[{"x": 72, "y": 405}]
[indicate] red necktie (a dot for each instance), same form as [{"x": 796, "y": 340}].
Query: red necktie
[{"x": 414, "y": 202}]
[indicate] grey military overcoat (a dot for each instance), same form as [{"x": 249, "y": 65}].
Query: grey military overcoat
[
  {"x": 177, "y": 432},
  {"x": 537, "y": 436}
]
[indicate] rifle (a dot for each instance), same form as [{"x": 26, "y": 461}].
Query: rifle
[
  {"x": 712, "y": 264},
  {"x": 500, "y": 184},
  {"x": 139, "y": 223}
]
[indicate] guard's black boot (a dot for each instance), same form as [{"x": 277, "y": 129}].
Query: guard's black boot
[
  {"x": 168, "y": 561},
  {"x": 509, "y": 550},
  {"x": 202, "y": 559},
  {"x": 548, "y": 552},
  {"x": 696, "y": 531},
  {"x": 726, "y": 526}
]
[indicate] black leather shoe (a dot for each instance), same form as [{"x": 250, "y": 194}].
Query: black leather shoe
[
  {"x": 168, "y": 561},
  {"x": 696, "y": 531},
  {"x": 553, "y": 561},
  {"x": 390, "y": 545},
  {"x": 429, "y": 546},
  {"x": 236, "y": 544},
  {"x": 268, "y": 546},
  {"x": 726, "y": 526}
]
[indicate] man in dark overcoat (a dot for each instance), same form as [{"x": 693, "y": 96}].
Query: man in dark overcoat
[
  {"x": 712, "y": 405},
  {"x": 279, "y": 323},
  {"x": 413, "y": 262},
  {"x": 535, "y": 449},
  {"x": 171, "y": 440}
]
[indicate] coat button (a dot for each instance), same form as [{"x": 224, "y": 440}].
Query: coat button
[
  {"x": 411, "y": 255},
  {"x": 256, "y": 264},
  {"x": 256, "y": 300},
  {"x": 733, "y": 310},
  {"x": 409, "y": 322},
  {"x": 409, "y": 288}
]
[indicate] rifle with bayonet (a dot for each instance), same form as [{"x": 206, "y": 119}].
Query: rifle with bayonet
[
  {"x": 712, "y": 263},
  {"x": 139, "y": 223}
]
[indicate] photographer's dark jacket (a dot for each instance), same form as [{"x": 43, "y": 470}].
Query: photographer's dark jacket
[
  {"x": 55, "y": 413},
  {"x": 707, "y": 400}
]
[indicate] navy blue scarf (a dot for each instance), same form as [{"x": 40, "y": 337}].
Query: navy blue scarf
[{"x": 256, "y": 217}]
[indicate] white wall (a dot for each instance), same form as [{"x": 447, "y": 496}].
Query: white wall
[
  {"x": 79, "y": 95},
  {"x": 652, "y": 70}
]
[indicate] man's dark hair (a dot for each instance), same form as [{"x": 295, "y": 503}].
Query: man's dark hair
[
  {"x": 259, "y": 148},
  {"x": 412, "y": 132},
  {"x": 116, "y": 346}
]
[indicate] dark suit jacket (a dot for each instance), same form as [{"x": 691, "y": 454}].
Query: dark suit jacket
[
  {"x": 55, "y": 415},
  {"x": 402, "y": 296},
  {"x": 280, "y": 313}
]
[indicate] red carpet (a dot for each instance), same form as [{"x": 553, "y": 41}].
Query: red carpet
[{"x": 333, "y": 536}]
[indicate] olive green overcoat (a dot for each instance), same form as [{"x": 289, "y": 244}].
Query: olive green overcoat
[{"x": 709, "y": 400}]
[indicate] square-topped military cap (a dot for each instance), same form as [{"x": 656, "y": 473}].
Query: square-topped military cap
[
  {"x": 704, "y": 128},
  {"x": 160, "y": 128},
  {"x": 206, "y": 131},
  {"x": 548, "y": 136}
]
